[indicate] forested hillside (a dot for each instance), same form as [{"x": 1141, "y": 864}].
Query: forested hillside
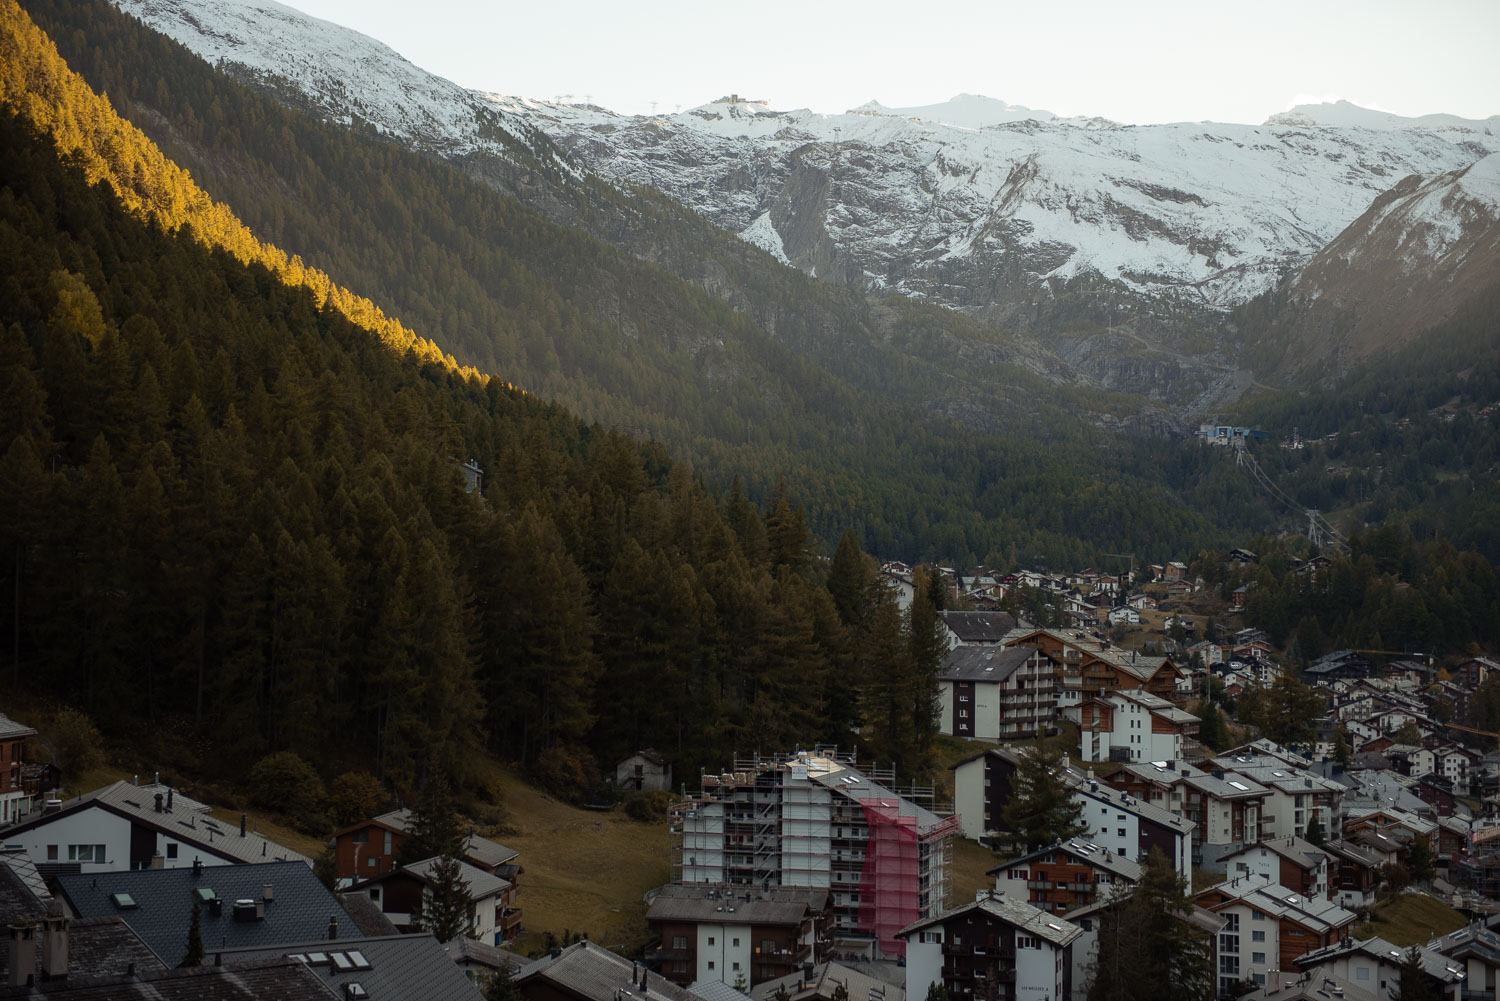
[
  {"x": 234, "y": 519},
  {"x": 884, "y": 416},
  {"x": 1411, "y": 438}
]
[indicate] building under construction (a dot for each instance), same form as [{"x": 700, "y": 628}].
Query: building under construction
[{"x": 813, "y": 819}]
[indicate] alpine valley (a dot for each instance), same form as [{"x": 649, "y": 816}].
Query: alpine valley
[{"x": 972, "y": 328}]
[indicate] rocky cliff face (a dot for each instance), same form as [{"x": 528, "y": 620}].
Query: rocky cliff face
[{"x": 1004, "y": 218}]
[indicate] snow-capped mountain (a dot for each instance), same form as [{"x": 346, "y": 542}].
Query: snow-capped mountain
[
  {"x": 1048, "y": 224},
  {"x": 976, "y": 213}
]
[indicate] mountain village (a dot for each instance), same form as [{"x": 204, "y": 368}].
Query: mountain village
[
  {"x": 810, "y": 874},
  {"x": 682, "y": 353}
]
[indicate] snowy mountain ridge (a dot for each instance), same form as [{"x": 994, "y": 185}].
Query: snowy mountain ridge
[{"x": 997, "y": 209}]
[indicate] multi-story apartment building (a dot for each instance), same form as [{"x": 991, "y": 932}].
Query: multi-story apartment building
[
  {"x": 993, "y": 949},
  {"x": 1121, "y": 822},
  {"x": 1086, "y": 667},
  {"x": 815, "y": 820},
  {"x": 1267, "y": 927},
  {"x": 1065, "y": 876},
  {"x": 996, "y": 693},
  {"x": 1297, "y": 793},
  {"x": 1224, "y": 807},
  {"x": 1135, "y": 725},
  {"x": 1297, "y": 865}
]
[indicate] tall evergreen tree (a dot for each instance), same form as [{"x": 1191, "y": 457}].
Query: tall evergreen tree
[
  {"x": 1042, "y": 809},
  {"x": 435, "y": 828},
  {"x": 1415, "y": 983},
  {"x": 447, "y": 904},
  {"x": 1147, "y": 949}
]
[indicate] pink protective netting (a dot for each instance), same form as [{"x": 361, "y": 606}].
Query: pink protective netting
[{"x": 888, "y": 894}]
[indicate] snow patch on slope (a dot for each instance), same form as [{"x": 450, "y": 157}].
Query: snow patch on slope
[{"x": 762, "y": 233}]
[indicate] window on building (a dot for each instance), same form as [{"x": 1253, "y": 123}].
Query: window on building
[
  {"x": 1027, "y": 942},
  {"x": 1120, "y": 832},
  {"x": 361, "y": 836},
  {"x": 736, "y": 943},
  {"x": 1361, "y": 973},
  {"x": 1257, "y": 936},
  {"x": 710, "y": 940},
  {"x": 1229, "y": 965},
  {"x": 1229, "y": 945},
  {"x": 387, "y": 842},
  {"x": 171, "y": 850},
  {"x": 51, "y": 853},
  {"x": 736, "y": 965},
  {"x": 767, "y": 946},
  {"x": 710, "y": 964},
  {"x": 1258, "y": 958},
  {"x": 1257, "y": 916},
  {"x": 375, "y": 894},
  {"x": 679, "y": 941}
]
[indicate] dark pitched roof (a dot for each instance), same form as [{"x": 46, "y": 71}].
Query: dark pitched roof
[
  {"x": 11, "y": 730},
  {"x": 482, "y": 851},
  {"x": 984, "y": 663},
  {"x": 23, "y": 893},
  {"x": 1086, "y": 852},
  {"x": 470, "y": 950},
  {"x": 593, "y": 973},
  {"x": 719, "y": 904},
  {"x": 390, "y": 968},
  {"x": 300, "y": 907},
  {"x": 366, "y": 914},
  {"x": 97, "y": 947},
  {"x": 281, "y": 979},
  {"x": 481, "y": 884},
  {"x": 979, "y": 627},
  {"x": 188, "y": 821},
  {"x": 826, "y": 979}
]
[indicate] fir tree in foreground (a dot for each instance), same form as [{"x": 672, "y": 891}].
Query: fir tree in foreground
[
  {"x": 1042, "y": 810},
  {"x": 1147, "y": 949}
]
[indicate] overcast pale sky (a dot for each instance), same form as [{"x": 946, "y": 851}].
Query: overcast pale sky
[{"x": 1165, "y": 60}]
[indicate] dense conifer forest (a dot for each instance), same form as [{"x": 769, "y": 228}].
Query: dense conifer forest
[
  {"x": 236, "y": 522},
  {"x": 903, "y": 421}
]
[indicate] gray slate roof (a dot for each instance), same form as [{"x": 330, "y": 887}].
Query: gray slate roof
[
  {"x": 1016, "y": 913},
  {"x": 466, "y": 950},
  {"x": 11, "y": 730},
  {"x": 825, "y": 981},
  {"x": 300, "y": 909},
  {"x": 97, "y": 947},
  {"x": 1084, "y": 851},
  {"x": 720, "y": 904},
  {"x": 983, "y": 663},
  {"x": 1435, "y": 963},
  {"x": 367, "y": 915},
  {"x": 23, "y": 893},
  {"x": 394, "y": 967},
  {"x": 281, "y": 979},
  {"x": 188, "y": 822},
  {"x": 481, "y": 884},
  {"x": 585, "y": 970},
  {"x": 979, "y": 627},
  {"x": 482, "y": 850}
]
